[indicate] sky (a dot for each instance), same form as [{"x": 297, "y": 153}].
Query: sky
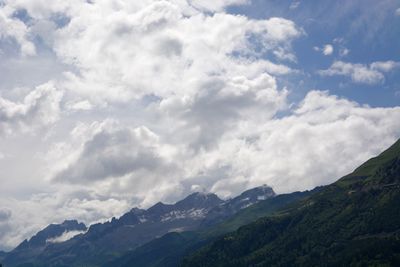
[{"x": 110, "y": 104}]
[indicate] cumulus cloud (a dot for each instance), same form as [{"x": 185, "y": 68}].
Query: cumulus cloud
[
  {"x": 283, "y": 55},
  {"x": 221, "y": 106},
  {"x": 80, "y": 105},
  {"x": 297, "y": 151},
  {"x": 40, "y": 107},
  {"x": 110, "y": 151},
  {"x": 327, "y": 50},
  {"x": 360, "y": 73},
  {"x": 15, "y": 29},
  {"x": 216, "y": 5},
  {"x": 292, "y": 153},
  {"x": 195, "y": 47}
]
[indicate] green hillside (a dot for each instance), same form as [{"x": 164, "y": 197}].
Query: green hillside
[{"x": 353, "y": 222}]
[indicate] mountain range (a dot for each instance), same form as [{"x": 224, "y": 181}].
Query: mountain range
[
  {"x": 352, "y": 222},
  {"x": 105, "y": 241}
]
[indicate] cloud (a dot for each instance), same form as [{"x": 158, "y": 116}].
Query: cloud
[
  {"x": 67, "y": 235},
  {"x": 328, "y": 50},
  {"x": 281, "y": 54},
  {"x": 40, "y": 107},
  {"x": 166, "y": 35},
  {"x": 384, "y": 66},
  {"x": 216, "y": 5},
  {"x": 292, "y": 153},
  {"x": 16, "y": 30},
  {"x": 359, "y": 73},
  {"x": 397, "y": 12},
  {"x": 297, "y": 151},
  {"x": 220, "y": 106},
  {"x": 80, "y": 105},
  {"x": 340, "y": 43},
  {"x": 110, "y": 151},
  {"x": 5, "y": 214},
  {"x": 344, "y": 52}
]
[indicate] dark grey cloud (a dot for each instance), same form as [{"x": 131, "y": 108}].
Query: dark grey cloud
[{"x": 114, "y": 153}]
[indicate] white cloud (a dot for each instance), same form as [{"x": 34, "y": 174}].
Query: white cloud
[
  {"x": 194, "y": 47},
  {"x": 67, "y": 235},
  {"x": 292, "y": 153},
  {"x": 206, "y": 117},
  {"x": 216, "y": 5},
  {"x": 41, "y": 107},
  {"x": 297, "y": 151},
  {"x": 281, "y": 54},
  {"x": 111, "y": 151},
  {"x": 384, "y": 66},
  {"x": 327, "y": 50},
  {"x": 397, "y": 12},
  {"x": 80, "y": 105},
  {"x": 359, "y": 73},
  {"x": 17, "y": 30}
]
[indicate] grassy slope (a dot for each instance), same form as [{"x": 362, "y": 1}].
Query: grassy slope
[{"x": 353, "y": 222}]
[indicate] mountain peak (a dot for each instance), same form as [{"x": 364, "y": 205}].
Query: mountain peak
[
  {"x": 71, "y": 225},
  {"x": 159, "y": 208},
  {"x": 137, "y": 211},
  {"x": 199, "y": 200},
  {"x": 52, "y": 231},
  {"x": 201, "y": 195},
  {"x": 255, "y": 194}
]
